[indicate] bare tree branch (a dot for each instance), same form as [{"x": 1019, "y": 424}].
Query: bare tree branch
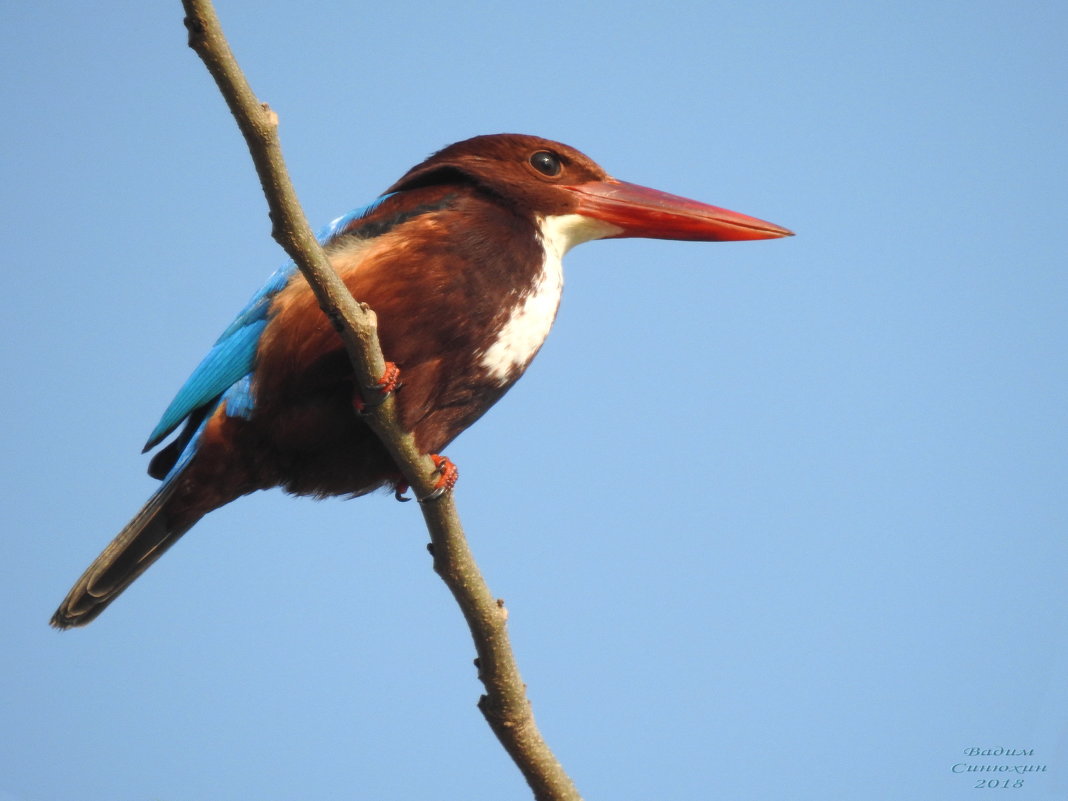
[{"x": 504, "y": 705}]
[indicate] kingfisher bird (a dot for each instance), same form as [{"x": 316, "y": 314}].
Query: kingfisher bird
[{"x": 461, "y": 262}]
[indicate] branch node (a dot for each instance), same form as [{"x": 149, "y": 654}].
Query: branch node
[{"x": 194, "y": 27}]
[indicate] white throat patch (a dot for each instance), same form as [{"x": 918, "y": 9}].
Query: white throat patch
[{"x": 526, "y": 329}]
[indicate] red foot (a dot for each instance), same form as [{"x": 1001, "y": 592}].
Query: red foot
[
  {"x": 386, "y": 384},
  {"x": 448, "y": 475}
]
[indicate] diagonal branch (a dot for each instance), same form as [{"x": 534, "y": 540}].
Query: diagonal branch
[{"x": 504, "y": 704}]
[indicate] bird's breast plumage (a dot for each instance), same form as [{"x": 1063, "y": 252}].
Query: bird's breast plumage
[
  {"x": 511, "y": 347},
  {"x": 464, "y": 301}
]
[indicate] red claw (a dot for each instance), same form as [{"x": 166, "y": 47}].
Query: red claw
[
  {"x": 384, "y": 387},
  {"x": 388, "y": 382},
  {"x": 448, "y": 475}
]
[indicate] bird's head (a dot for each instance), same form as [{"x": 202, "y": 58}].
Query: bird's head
[{"x": 553, "y": 182}]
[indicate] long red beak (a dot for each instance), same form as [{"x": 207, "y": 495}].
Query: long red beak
[{"x": 644, "y": 212}]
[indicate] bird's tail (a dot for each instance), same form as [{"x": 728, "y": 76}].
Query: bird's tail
[{"x": 144, "y": 540}]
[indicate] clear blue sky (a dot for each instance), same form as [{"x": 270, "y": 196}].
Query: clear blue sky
[{"x": 773, "y": 520}]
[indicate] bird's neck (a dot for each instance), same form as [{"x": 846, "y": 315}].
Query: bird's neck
[{"x": 533, "y": 310}]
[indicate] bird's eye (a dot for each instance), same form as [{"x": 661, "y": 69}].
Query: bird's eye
[{"x": 546, "y": 163}]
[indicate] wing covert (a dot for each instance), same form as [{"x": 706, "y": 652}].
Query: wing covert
[{"x": 233, "y": 355}]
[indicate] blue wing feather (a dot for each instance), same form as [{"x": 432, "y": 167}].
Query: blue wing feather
[{"x": 225, "y": 373}]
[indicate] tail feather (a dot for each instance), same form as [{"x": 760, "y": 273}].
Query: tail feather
[{"x": 144, "y": 540}]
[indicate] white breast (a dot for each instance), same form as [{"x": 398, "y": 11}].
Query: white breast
[{"x": 525, "y": 330}]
